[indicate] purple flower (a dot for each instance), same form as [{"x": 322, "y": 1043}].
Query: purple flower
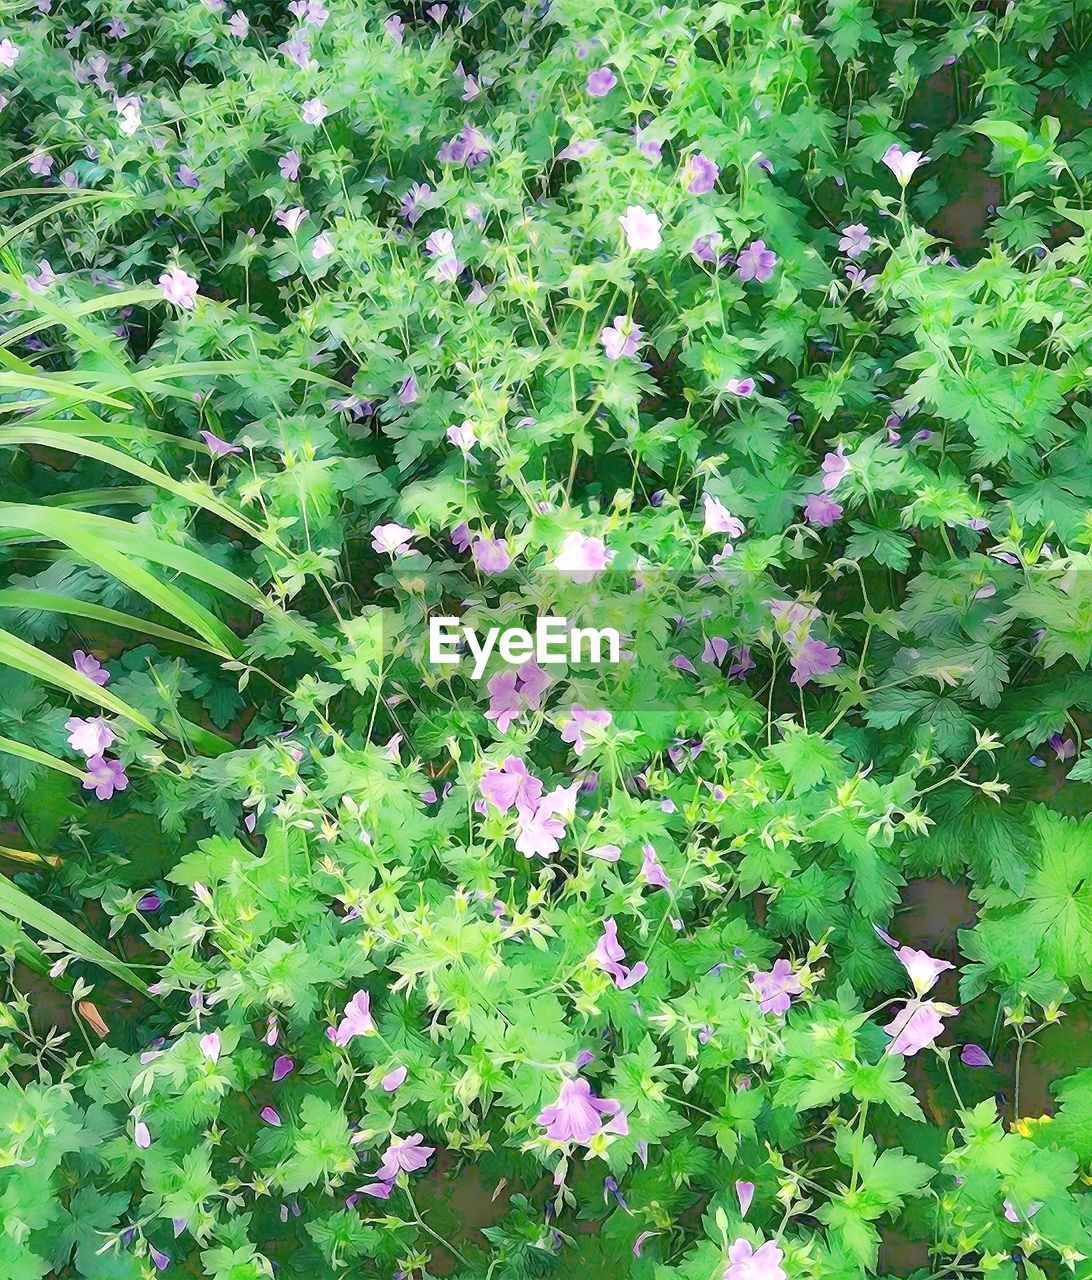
[
  {"x": 89, "y": 737},
  {"x": 748, "y": 1263},
  {"x": 490, "y": 555},
  {"x": 609, "y": 954},
  {"x": 161, "y": 1261},
  {"x": 415, "y": 201},
  {"x": 581, "y": 558},
  {"x": 468, "y": 147},
  {"x": 651, "y": 872},
  {"x": 394, "y": 27},
  {"x": 1012, "y": 1214},
  {"x": 600, "y": 82},
  {"x": 322, "y": 246},
  {"x": 777, "y": 987},
  {"x": 187, "y": 177},
  {"x": 582, "y": 720},
  {"x": 291, "y": 219},
  {"x": 239, "y": 25},
  {"x": 741, "y": 387},
  {"x": 621, "y": 339},
  {"x": 577, "y": 1115},
  {"x": 834, "y": 467},
  {"x": 40, "y": 164},
  {"x": 973, "y": 1055},
  {"x": 393, "y": 1079},
  {"x": 179, "y": 287},
  {"x": 9, "y": 53},
  {"x": 821, "y": 510},
  {"x": 390, "y": 539},
  {"x": 511, "y": 785},
  {"x": 117, "y": 29},
  {"x": 922, "y": 969},
  {"x": 652, "y": 149},
  {"x": 699, "y": 175},
  {"x": 210, "y": 1046},
  {"x": 314, "y": 111},
  {"x": 605, "y": 852},
  {"x": 1063, "y": 748},
  {"x": 45, "y": 277},
  {"x": 440, "y": 246},
  {"x": 855, "y": 240},
  {"x": 756, "y": 262},
  {"x": 142, "y": 1137},
  {"x": 539, "y": 831},
  {"x": 745, "y": 1193},
  {"x": 642, "y": 229},
  {"x": 916, "y": 1026},
  {"x": 270, "y": 1117},
  {"x": 404, "y": 1155},
  {"x": 283, "y": 1066},
  {"x": 104, "y": 777},
  {"x": 813, "y": 658},
  {"x": 533, "y": 683},
  {"x": 378, "y": 1190},
  {"x": 356, "y": 1022},
  {"x": 718, "y": 519},
  {"x": 219, "y": 448},
  {"x": 463, "y": 436},
  {"x": 578, "y": 149},
  {"x": 903, "y": 164},
  {"x": 289, "y": 165},
  {"x": 505, "y": 703},
  {"x": 149, "y": 902}
]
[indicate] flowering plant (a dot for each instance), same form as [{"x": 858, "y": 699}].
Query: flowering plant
[{"x": 757, "y": 333}]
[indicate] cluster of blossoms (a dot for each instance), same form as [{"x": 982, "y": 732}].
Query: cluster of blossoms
[{"x": 92, "y": 737}]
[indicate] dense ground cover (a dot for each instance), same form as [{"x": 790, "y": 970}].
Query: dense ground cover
[{"x": 763, "y": 331}]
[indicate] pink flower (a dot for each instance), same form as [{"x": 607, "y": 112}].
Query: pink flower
[
  {"x": 742, "y": 387},
  {"x": 577, "y": 1115},
  {"x": 609, "y": 954},
  {"x": 289, "y": 165},
  {"x": 9, "y": 54},
  {"x": 219, "y": 448},
  {"x": 916, "y": 1026},
  {"x": 40, "y": 164},
  {"x": 291, "y": 219},
  {"x": 210, "y": 1046},
  {"x": 239, "y": 24},
  {"x": 745, "y": 1193},
  {"x": 582, "y": 720},
  {"x": 699, "y": 175},
  {"x": 973, "y": 1055},
  {"x": 104, "y": 777},
  {"x": 511, "y": 785},
  {"x": 642, "y": 229},
  {"x": 581, "y": 558},
  {"x": 186, "y": 177},
  {"x": 505, "y": 703},
  {"x": 393, "y": 1079},
  {"x": 394, "y": 27},
  {"x": 813, "y": 658},
  {"x": 600, "y": 82},
  {"x": 179, "y": 287},
  {"x": 314, "y": 111},
  {"x": 463, "y": 436},
  {"x": 45, "y": 277},
  {"x": 378, "y": 1190},
  {"x": 390, "y": 539},
  {"x": 533, "y": 683},
  {"x": 623, "y": 339},
  {"x": 357, "y": 1020},
  {"x": 756, "y": 262},
  {"x": 748, "y": 1263},
  {"x": 323, "y": 246},
  {"x": 903, "y": 164},
  {"x": 142, "y": 1137},
  {"x": 651, "y": 872},
  {"x": 282, "y": 1067},
  {"x": 777, "y": 987},
  {"x": 89, "y": 737},
  {"x": 270, "y": 1117},
  {"x": 855, "y": 240},
  {"x": 922, "y": 969},
  {"x": 404, "y": 1155},
  {"x": 539, "y": 832},
  {"x": 834, "y": 466},
  {"x": 821, "y": 510},
  {"x": 605, "y": 852},
  {"x": 718, "y": 519},
  {"x": 490, "y": 555},
  {"x": 440, "y": 246}
]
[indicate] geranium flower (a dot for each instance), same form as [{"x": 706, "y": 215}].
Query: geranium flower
[
  {"x": 393, "y": 1079},
  {"x": 291, "y": 219},
  {"x": 128, "y": 112},
  {"x": 582, "y": 721},
  {"x": 89, "y": 737},
  {"x": 699, "y": 175},
  {"x": 600, "y": 82},
  {"x": 490, "y": 555},
  {"x": 903, "y": 164},
  {"x": 973, "y": 1055},
  {"x": 314, "y": 111},
  {"x": 239, "y": 25},
  {"x": 756, "y": 262},
  {"x": 283, "y": 1066},
  {"x": 404, "y": 1155},
  {"x": 622, "y": 338},
  {"x": 777, "y": 987},
  {"x": 9, "y": 53},
  {"x": 219, "y": 448},
  {"x": 577, "y": 1115},
  {"x": 916, "y": 1026},
  {"x": 510, "y": 785},
  {"x": 642, "y": 229},
  {"x": 539, "y": 832},
  {"x": 652, "y": 149},
  {"x": 440, "y": 246},
  {"x": 855, "y": 240},
  {"x": 104, "y": 777},
  {"x": 322, "y": 246},
  {"x": 609, "y": 954},
  {"x": 718, "y": 519},
  {"x": 40, "y": 163},
  {"x": 811, "y": 659},
  {"x": 745, "y": 1193},
  {"x": 651, "y": 872},
  {"x": 821, "y": 510},
  {"x": 289, "y": 165},
  {"x": 748, "y": 1263},
  {"x": 463, "y": 436},
  {"x": 741, "y": 387},
  {"x": 922, "y": 969},
  {"x": 210, "y": 1046},
  {"x": 390, "y": 539},
  {"x": 179, "y": 287},
  {"x": 581, "y": 558},
  {"x": 357, "y": 1020},
  {"x": 505, "y": 702},
  {"x": 834, "y": 467}
]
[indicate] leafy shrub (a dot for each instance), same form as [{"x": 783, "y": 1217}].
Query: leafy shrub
[{"x": 760, "y": 332}]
